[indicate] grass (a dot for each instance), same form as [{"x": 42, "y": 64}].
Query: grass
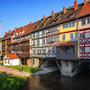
[
  {"x": 26, "y": 68},
  {"x": 10, "y": 82},
  {"x": 1, "y": 63}
]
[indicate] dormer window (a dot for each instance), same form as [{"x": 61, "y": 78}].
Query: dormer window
[
  {"x": 58, "y": 15},
  {"x": 57, "y": 20},
  {"x": 42, "y": 25},
  {"x": 52, "y": 22},
  {"x": 70, "y": 16},
  {"x": 22, "y": 28},
  {"x": 36, "y": 27},
  {"x": 40, "y": 22},
  {"x": 46, "y": 20}
]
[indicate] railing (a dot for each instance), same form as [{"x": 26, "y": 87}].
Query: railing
[
  {"x": 39, "y": 36},
  {"x": 38, "y": 55},
  {"x": 8, "y": 42},
  {"x": 25, "y": 55},
  {"x": 15, "y": 48},
  {"x": 25, "y": 47},
  {"x": 39, "y": 45}
]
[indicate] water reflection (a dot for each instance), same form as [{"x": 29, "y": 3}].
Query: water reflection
[{"x": 54, "y": 81}]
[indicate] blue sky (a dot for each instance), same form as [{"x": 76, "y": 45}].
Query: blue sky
[{"x": 17, "y": 13}]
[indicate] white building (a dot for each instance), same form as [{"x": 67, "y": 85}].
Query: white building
[{"x": 11, "y": 60}]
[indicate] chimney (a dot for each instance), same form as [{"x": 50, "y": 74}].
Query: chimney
[
  {"x": 44, "y": 17},
  {"x": 75, "y": 5},
  {"x": 85, "y": 2},
  {"x": 64, "y": 9},
  {"x": 30, "y": 23},
  {"x": 52, "y": 13},
  {"x": 5, "y": 33},
  {"x": 15, "y": 29},
  {"x": 9, "y": 31}
]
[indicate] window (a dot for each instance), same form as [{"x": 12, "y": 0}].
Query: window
[
  {"x": 37, "y": 33},
  {"x": 25, "y": 51},
  {"x": 82, "y": 49},
  {"x": 33, "y": 61},
  {"x": 53, "y": 49},
  {"x": 57, "y": 20},
  {"x": 56, "y": 38},
  {"x": 81, "y": 35},
  {"x": 46, "y": 20},
  {"x": 63, "y": 37},
  {"x": 76, "y": 35},
  {"x": 43, "y": 32},
  {"x": 50, "y": 39},
  {"x": 47, "y": 40},
  {"x": 71, "y": 15},
  {"x": 52, "y": 22},
  {"x": 37, "y": 41},
  {"x": 33, "y": 51},
  {"x": 89, "y": 20},
  {"x": 24, "y": 37},
  {"x": 43, "y": 41},
  {"x": 83, "y": 21},
  {"x": 73, "y": 24},
  {"x": 71, "y": 36},
  {"x": 34, "y": 42},
  {"x": 87, "y": 49},
  {"x": 53, "y": 38},
  {"x": 63, "y": 25},
  {"x": 33, "y": 34},
  {"x": 69, "y": 24},
  {"x": 28, "y": 36},
  {"x": 5, "y": 61},
  {"x": 43, "y": 51}
]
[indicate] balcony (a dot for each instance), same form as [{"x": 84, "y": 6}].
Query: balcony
[
  {"x": 15, "y": 48},
  {"x": 25, "y": 55},
  {"x": 3, "y": 49},
  {"x": 67, "y": 51},
  {"x": 8, "y": 42},
  {"x": 3, "y": 44},
  {"x": 26, "y": 47},
  {"x": 8, "y": 49},
  {"x": 3, "y": 53}
]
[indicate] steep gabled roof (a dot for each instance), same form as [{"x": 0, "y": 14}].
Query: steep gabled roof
[
  {"x": 86, "y": 9},
  {"x": 12, "y": 56}
]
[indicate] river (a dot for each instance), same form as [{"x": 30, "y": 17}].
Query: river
[{"x": 54, "y": 81}]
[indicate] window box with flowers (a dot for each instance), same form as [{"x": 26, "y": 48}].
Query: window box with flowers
[
  {"x": 43, "y": 53},
  {"x": 33, "y": 44},
  {"x": 51, "y": 42},
  {"x": 39, "y": 53}
]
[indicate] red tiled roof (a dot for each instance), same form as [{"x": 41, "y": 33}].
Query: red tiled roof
[
  {"x": 86, "y": 9},
  {"x": 12, "y": 56},
  {"x": 15, "y": 42},
  {"x": 66, "y": 43}
]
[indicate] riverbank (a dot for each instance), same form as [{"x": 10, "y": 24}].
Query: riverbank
[
  {"x": 11, "y": 82},
  {"x": 14, "y": 71}
]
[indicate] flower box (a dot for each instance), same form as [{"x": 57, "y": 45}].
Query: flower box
[{"x": 51, "y": 41}]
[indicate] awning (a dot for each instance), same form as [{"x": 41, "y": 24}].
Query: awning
[{"x": 66, "y": 43}]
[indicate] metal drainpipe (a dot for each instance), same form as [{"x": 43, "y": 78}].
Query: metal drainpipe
[{"x": 78, "y": 41}]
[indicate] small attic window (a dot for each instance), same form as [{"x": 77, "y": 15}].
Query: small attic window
[
  {"x": 46, "y": 20},
  {"x": 22, "y": 28},
  {"x": 40, "y": 22},
  {"x": 52, "y": 21},
  {"x": 58, "y": 15},
  {"x": 36, "y": 27},
  {"x": 70, "y": 16},
  {"x": 42, "y": 25},
  {"x": 57, "y": 20}
]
